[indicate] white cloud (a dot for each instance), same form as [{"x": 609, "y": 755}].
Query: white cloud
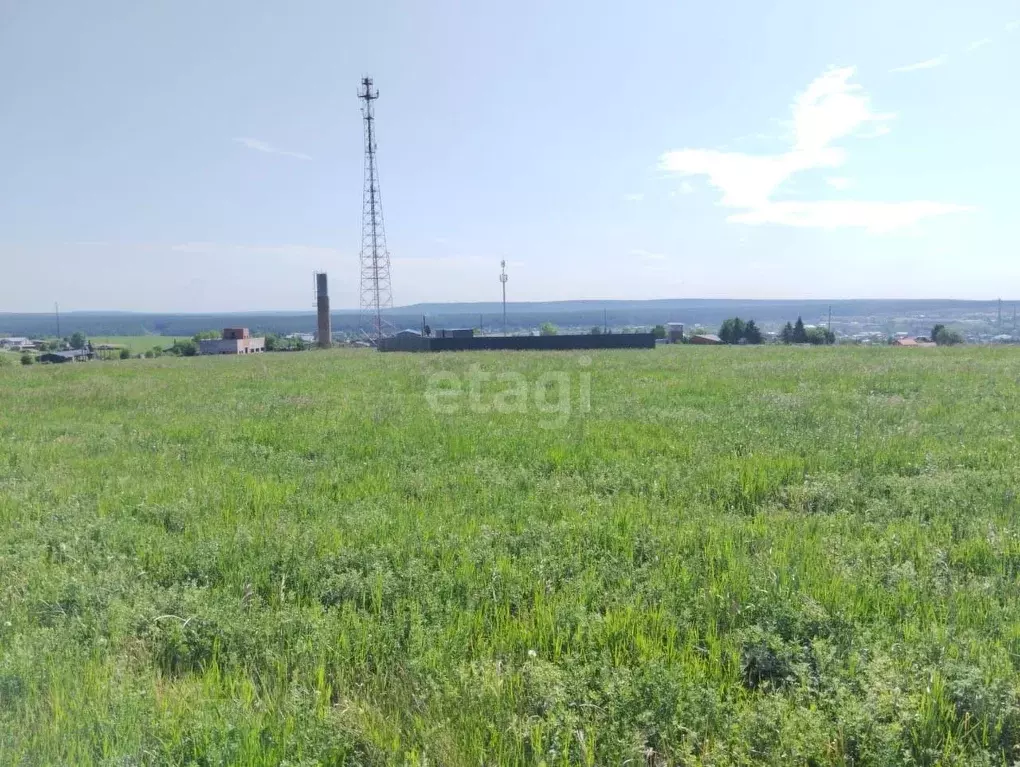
[
  {"x": 926, "y": 64},
  {"x": 685, "y": 188},
  {"x": 829, "y": 110},
  {"x": 263, "y": 146},
  {"x": 634, "y": 197},
  {"x": 876, "y": 217},
  {"x": 876, "y": 132},
  {"x": 647, "y": 256},
  {"x": 979, "y": 43},
  {"x": 1013, "y": 26},
  {"x": 838, "y": 182}
]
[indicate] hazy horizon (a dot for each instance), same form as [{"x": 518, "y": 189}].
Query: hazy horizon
[{"x": 490, "y": 306}]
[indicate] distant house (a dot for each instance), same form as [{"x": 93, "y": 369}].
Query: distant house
[
  {"x": 706, "y": 338},
  {"x": 234, "y": 341},
  {"x": 923, "y": 342},
  {"x": 74, "y": 355},
  {"x": 18, "y": 344},
  {"x": 408, "y": 333}
]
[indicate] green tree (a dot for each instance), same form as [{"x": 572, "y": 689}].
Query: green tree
[
  {"x": 786, "y": 334},
  {"x": 946, "y": 337},
  {"x": 799, "y": 334},
  {"x": 752, "y": 333},
  {"x": 732, "y": 330},
  {"x": 596, "y": 330},
  {"x": 77, "y": 340},
  {"x": 185, "y": 348},
  {"x": 156, "y": 351},
  {"x": 27, "y": 359},
  {"x": 659, "y": 331},
  {"x": 125, "y": 354},
  {"x": 272, "y": 342},
  {"x": 819, "y": 336},
  {"x": 936, "y": 331},
  {"x": 548, "y": 329}
]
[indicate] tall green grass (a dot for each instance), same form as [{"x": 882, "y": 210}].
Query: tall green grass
[{"x": 739, "y": 555}]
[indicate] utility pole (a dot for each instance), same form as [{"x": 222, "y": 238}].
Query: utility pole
[
  {"x": 376, "y": 294},
  {"x": 56, "y": 310},
  {"x": 829, "y": 327},
  {"x": 605, "y": 321},
  {"x": 502, "y": 279}
]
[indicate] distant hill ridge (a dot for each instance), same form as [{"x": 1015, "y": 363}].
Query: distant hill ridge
[{"x": 583, "y": 313}]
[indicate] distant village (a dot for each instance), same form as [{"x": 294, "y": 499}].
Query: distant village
[{"x": 240, "y": 340}]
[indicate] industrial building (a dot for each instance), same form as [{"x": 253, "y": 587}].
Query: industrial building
[
  {"x": 674, "y": 332},
  {"x": 324, "y": 323},
  {"x": 414, "y": 342},
  {"x": 234, "y": 341}
]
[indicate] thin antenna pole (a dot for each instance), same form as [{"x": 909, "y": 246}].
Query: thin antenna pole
[
  {"x": 56, "y": 310},
  {"x": 376, "y": 294},
  {"x": 605, "y": 321},
  {"x": 503, "y": 278},
  {"x": 829, "y": 326}
]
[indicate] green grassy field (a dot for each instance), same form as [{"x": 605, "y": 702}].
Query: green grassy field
[
  {"x": 733, "y": 556},
  {"x": 136, "y": 344}
]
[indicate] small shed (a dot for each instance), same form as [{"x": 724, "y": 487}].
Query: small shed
[
  {"x": 924, "y": 342},
  {"x": 706, "y": 339},
  {"x": 74, "y": 355}
]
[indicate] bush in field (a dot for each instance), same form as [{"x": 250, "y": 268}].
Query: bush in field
[
  {"x": 125, "y": 354},
  {"x": 943, "y": 336},
  {"x": 186, "y": 348},
  {"x": 27, "y": 359},
  {"x": 819, "y": 336},
  {"x": 548, "y": 329},
  {"x": 659, "y": 331}
]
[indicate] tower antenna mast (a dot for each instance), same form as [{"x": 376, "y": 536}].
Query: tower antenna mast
[
  {"x": 376, "y": 294},
  {"x": 502, "y": 278}
]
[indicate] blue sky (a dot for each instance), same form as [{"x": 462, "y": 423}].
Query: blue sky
[{"x": 197, "y": 156}]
